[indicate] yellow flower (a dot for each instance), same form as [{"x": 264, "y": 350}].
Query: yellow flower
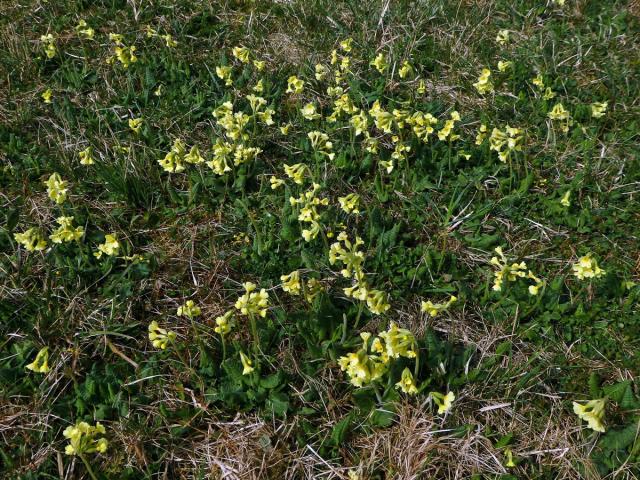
[
  {"x": 110, "y": 247},
  {"x": 422, "y": 87},
  {"x": 320, "y": 142},
  {"x": 346, "y": 44},
  {"x": 296, "y": 172},
  {"x": 534, "y": 289},
  {"x": 503, "y": 37},
  {"x": 284, "y": 129},
  {"x": 504, "y": 66},
  {"x": 294, "y": 85},
  {"x": 135, "y": 124},
  {"x": 433, "y": 309},
  {"x": 49, "y": 45},
  {"x": 291, "y": 282},
  {"x": 592, "y": 412},
  {"x": 46, "y": 95},
  {"x": 276, "y": 182},
  {"x": 173, "y": 160},
  {"x": 31, "y": 240},
  {"x": 241, "y": 53},
  {"x": 444, "y": 402},
  {"x": 312, "y": 289},
  {"x": 510, "y": 463},
  {"x": 484, "y": 84},
  {"x": 160, "y": 337},
  {"x": 309, "y": 112},
  {"x": 66, "y": 232},
  {"x": 505, "y": 271},
  {"x": 41, "y": 362},
  {"x": 189, "y": 309},
  {"x": 507, "y": 142},
  {"x": 321, "y": 72},
  {"x": 380, "y": 62},
  {"x": 222, "y": 324},
  {"x": 194, "y": 157},
  {"x": 407, "y": 384},
  {"x": 259, "y": 87},
  {"x": 259, "y": 64},
  {"x": 405, "y": 70},
  {"x": 598, "y": 109},
  {"x": 125, "y": 55},
  {"x": 565, "y": 201},
  {"x": 224, "y": 73},
  {"x": 347, "y": 252},
  {"x": 548, "y": 94},
  {"x": 587, "y": 267},
  {"x": 361, "y": 367},
  {"x": 446, "y": 131},
  {"x": 482, "y": 134},
  {"x": 349, "y": 203},
  {"x": 399, "y": 342},
  {"x": 359, "y": 122},
  {"x": 253, "y": 302},
  {"x": 86, "y": 156},
  {"x": 83, "y": 438},
  {"x": 169, "y": 41},
  {"x": 57, "y": 188},
  {"x": 538, "y": 81},
  {"x": 83, "y": 29},
  {"x": 247, "y": 364},
  {"x": 559, "y": 113},
  {"x": 377, "y": 301}
]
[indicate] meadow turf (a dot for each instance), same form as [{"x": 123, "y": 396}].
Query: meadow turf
[{"x": 209, "y": 310}]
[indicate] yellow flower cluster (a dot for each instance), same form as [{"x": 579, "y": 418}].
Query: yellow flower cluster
[
  {"x": 598, "y": 109},
  {"x": 135, "y": 124},
  {"x": 57, "y": 188},
  {"x": 31, "y": 240},
  {"x": 505, "y": 142},
  {"x": 160, "y": 337},
  {"x": 110, "y": 247},
  {"x": 444, "y": 402},
  {"x": 122, "y": 53},
  {"x": 247, "y": 364},
  {"x": 291, "y": 282},
  {"x": 223, "y": 325},
  {"x": 253, "y": 302},
  {"x": 349, "y": 203},
  {"x": 41, "y": 362},
  {"x": 174, "y": 161},
  {"x": 84, "y": 438},
  {"x": 352, "y": 258},
  {"x": 433, "y": 309},
  {"x": 560, "y": 114},
  {"x": 86, "y": 156},
  {"x": 309, "y": 203},
  {"x": 587, "y": 267},
  {"x": 321, "y": 144},
  {"x": 49, "y": 45},
  {"x": 84, "y": 30},
  {"x": 372, "y": 360},
  {"x": 66, "y": 232},
  {"x": 592, "y": 412},
  {"x": 484, "y": 83},
  {"x": 512, "y": 272},
  {"x": 189, "y": 309}
]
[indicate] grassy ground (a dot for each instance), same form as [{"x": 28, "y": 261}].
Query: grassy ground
[{"x": 431, "y": 210}]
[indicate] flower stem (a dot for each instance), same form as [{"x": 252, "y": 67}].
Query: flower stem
[{"x": 88, "y": 466}]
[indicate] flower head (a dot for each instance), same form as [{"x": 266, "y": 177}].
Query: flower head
[
  {"x": 86, "y": 156},
  {"x": 57, "y": 188},
  {"x": 291, "y": 282},
  {"x": 253, "y": 302},
  {"x": 592, "y": 412},
  {"x": 110, "y": 247},
  {"x": 407, "y": 383},
  {"x": 223, "y": 325},
  {"x": 84, "y": 438},
  {"x": 160, "y": 337},
  {"x": 433, "y": 309},
  {"x": 31, "y": 240},
  {"x": 41, "y": 362},
  {"x": 444, "y": 402},
  {"x": 66, "y": 232},
  {"x": 587, "y": 267},
  {"x": 247, "y": 364},
  {"x": 189, "y": 309}
]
